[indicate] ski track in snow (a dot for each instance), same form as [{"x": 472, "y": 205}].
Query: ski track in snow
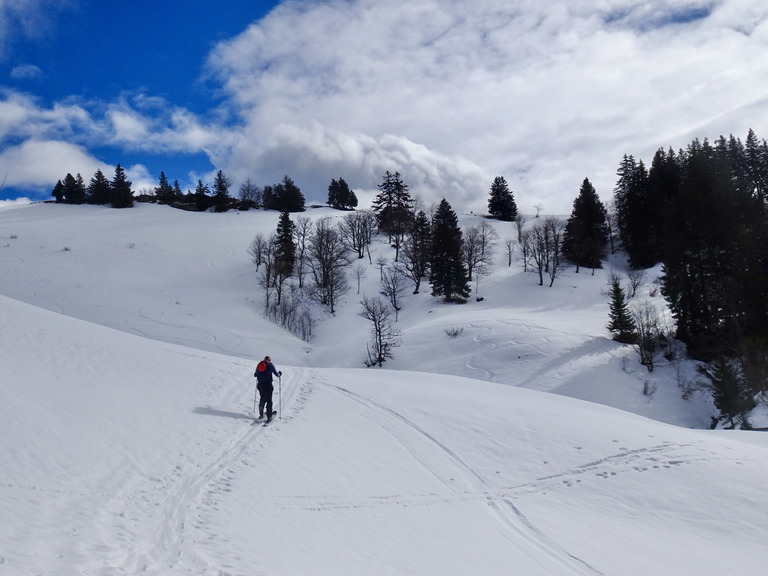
[
  {"x": 502, "y": 508},
  {"x": 137, "y": 538}
]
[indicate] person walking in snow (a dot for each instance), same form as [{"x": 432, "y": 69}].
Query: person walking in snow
[{"x": 264, "y": 372}]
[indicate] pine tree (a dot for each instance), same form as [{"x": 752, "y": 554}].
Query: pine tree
[
  {"x": 285, "y": 247},
  {"x": 201, "y": 196},
  {"x": 417, "y": 249},
  {"x": 74, "y": 190},
  {"x": 221, "y": 186},
  {"x": 730, "y": 393},
  {"x": 632, "y": 208},
  {"x": 99, "y": 189},
  {"x": 268, "y": 197},
  {"x": 58, "y": 191},
  {"x": 287, "y": 197},
  {"x": 164, "y": 191},
  {"x": 622, "y": 326},
  {"x": 393, "y": 207},
  {"x": 501, "y": 203},
  {"x": 121, "y": 195},
  {"x": 586, "y": 232},
  {"x": 340, "y": 196},
  {"x": 177, "y": 193},
  {"x": 448, "y": 274}
]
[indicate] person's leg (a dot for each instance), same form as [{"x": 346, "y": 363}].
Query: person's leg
[
  {"x": 268, "y": 402},
  {"x": 262, "y": 401}
]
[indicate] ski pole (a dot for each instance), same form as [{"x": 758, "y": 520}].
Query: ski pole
[
  {"x": 255, "y": 394},
  {"x": 280, "y": 396}
]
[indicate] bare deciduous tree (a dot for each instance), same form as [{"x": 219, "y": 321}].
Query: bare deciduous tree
[
  {"x": 636, "y": 280},
  {"x": 543, "y": 247},
  {"x": 510, "y": 244},
  {"x": 646, "y": 319},
  {"x": 478, "y": 249},
  {"x": 327, "y": 259},
  {"x": 359, "y": 272},
  {"x": 302, "y": 230},
  {"x": 393, "y": 285},
  {"x": 526, "y": 244},
  {"x": 249, "y": 192},
  {"x": 555, "y": 228},
  {"x": 357, "y": 230},
  {"x": 258, "y": 249},
  {"x": 520, "y": 221},
  {"x": 381, "y": 262},
  {"x": 384, "y": 336}
]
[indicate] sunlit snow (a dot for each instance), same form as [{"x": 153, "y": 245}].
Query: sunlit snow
[{"x": 524, "y": 445}]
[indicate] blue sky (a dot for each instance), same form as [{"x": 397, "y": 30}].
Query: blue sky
[
  {"x": 98, "y": 49},
  {"x": 449, "y": 94},
  {"x": 95, "y": 53}
]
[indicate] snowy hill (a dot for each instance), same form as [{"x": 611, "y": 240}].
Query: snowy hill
[{"x": 127, "y": 348}]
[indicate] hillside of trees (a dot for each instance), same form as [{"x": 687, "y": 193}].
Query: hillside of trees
[{"x": 699, "y": 212}]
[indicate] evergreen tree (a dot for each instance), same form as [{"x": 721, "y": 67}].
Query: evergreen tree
[
  {"x": 285, "y": 247},
  {"x": 177, "y": 193},
  {"x": 417, "y": 249},
  {"x": 393, "y": 207},
  {"x": 201, "y": 197},
  {"x": 121, "y": 194},
  {"x": 221, "y": 186},
  {"x": 80, "y": 189},
  {"x": 74, "y": 190},
  {"x": 164, "y": 191},
  {"x": 282, "y": 257},
  {"x": 501, "y": 203},
  {"x": 340, "y": 196},
  {"x": 730, "y": 393},
  {"x": 701, "y": 274},
  {"x": 632, "y": 208},
  {"x": 622, "y": 326},
  {"x": 662, "y": 186},
  {"x": 448, "y": 274},
  {"x": 757, "y": 166},
  {"x": 287, "y": 196},
  {"x": 58, "y": 191},
  {"x": 268, "y": 197},
  {"x": 99, "y": 189},
  {"x": 586, "y": 232}
]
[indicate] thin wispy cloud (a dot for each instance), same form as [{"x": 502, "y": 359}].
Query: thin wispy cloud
[
  {"x": 26, "y": 72},
  {"x": 27, "y": 18}
]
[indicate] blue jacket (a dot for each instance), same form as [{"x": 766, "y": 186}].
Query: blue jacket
[{"x": 266, "y": 376}]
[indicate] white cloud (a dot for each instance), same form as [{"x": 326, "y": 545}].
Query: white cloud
[
  {"x": 450, "y": 94},
  {"x": 154, "y": 125},
  {"x": 454, "y": 93},
  {"x": 21, "y": 116},
  {"x": 141, "y": 179},
  {"x": 26, "y": 72},
  {"x": 49, "y": 141},
  {"x": 14, "y": 202},
  {"x": 40, "y": 163}
]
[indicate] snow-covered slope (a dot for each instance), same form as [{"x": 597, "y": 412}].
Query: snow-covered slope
[{"x": 131, "y": 451}]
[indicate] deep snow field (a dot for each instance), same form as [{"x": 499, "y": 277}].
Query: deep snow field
[{"x": 523, "y": 446}]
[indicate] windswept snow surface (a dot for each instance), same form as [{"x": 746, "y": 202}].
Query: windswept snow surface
[{"x": 128, "y": 447}]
